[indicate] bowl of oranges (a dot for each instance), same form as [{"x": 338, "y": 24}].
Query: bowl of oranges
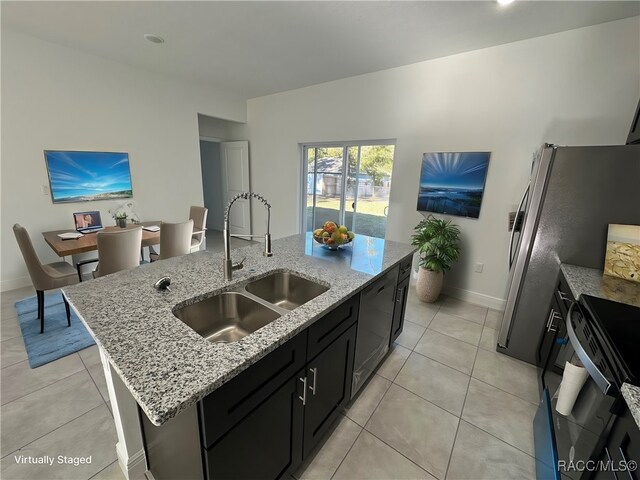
[{"x": 333, "y": 236}]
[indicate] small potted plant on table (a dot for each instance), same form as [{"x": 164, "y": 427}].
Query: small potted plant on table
[
  {"x": 437, "y": 242},
  {"x": 121, "y": 219}
]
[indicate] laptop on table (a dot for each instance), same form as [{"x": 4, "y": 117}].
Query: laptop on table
[{"x": 87, "y": 222}]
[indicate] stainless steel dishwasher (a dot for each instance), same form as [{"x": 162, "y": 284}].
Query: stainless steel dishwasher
[{"x": 374, "y": 327}]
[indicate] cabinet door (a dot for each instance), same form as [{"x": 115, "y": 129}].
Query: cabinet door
[
  {"x": 266, "y": 443},
  {"x": 328, "y": 387},
  {"x": 399, "y": 309},
  {"x": 554, "y": 322},
  {"x": 623, "y": 445}
]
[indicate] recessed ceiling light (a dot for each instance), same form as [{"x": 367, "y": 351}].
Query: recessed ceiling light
[
  {"x": 153, "y": 38},
  {"x": 504, "y": 2}
]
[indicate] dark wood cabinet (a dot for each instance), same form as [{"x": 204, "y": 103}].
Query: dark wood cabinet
[
  {"x": 554, "y": 322},
  {"x": 274, "y": 424},
  {"x": 267, "y": 419},
  {"x": 328, "y": 387},
  {"x": 622, "y": 447},
  {"x": 221, "y": 410},
  {"x": 554, "y": 332},
  {"x": 264, "y": 444},
  {"x": 402, "y": 293},
  {"x": 400, "y": 308}
]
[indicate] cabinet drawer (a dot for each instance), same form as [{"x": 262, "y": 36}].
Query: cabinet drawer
[
  {"x": 222, "y": 409},
  {"x": 563, "y": 295},
  {"x": 405, "y": 268},
  {"x": 328, "y": 328}
]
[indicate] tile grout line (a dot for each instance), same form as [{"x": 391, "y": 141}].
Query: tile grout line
[
  {"x": 451, "y": 336},
  {"x": 444, "y": 364},
  {"x": 463, "y": 318},
  {"x": 94, "y": 382},
  {"x": 413, "y": 393},
  {"x": 98, "y": 473},
  {"x": 497, "y": 438},
  {"x": 504, "y": 391},
  {"x": 377, "y": 404},
  {"x": 464, "y": 403},
  {"x": 44, "y": 386},
  {"x": 399, "y": 452},
  {"x": 428, "y": 401},
  {"x": 44, "y": 435},
  {"x": 348, "y": 451}
]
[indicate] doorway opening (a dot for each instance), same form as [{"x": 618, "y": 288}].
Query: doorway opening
[
  {"x": 348, "y": 183},
  {"x": 225, "y": 172}
]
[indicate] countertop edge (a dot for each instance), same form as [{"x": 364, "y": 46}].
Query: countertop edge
[{"x": 631, "y": 394}]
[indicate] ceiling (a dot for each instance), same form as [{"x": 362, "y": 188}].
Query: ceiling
[{"x": 264, "y": 47}]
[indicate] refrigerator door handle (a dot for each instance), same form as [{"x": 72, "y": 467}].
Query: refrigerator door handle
[{"x": 515, "y": 223}]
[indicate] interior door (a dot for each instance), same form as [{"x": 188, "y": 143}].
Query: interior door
[{"x": 235, "y": 179}]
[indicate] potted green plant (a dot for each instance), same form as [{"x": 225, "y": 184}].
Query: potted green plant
[
  {"x": 121, "y": 219},
  {"x": 437, "y": 242}
]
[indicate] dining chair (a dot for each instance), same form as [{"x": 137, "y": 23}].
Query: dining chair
[
  {"x": 118, "y": 250},
  {"x": 44, "y": 276},
  {"x": 199, "y": 217},
  {"x": 175, "y": 240}
]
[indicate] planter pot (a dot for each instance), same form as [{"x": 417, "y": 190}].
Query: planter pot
[
  {"x": 121, "y": 222},
  {"x": 429, "y": 285}
]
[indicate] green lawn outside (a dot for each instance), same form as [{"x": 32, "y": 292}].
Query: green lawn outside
[
  {"x": 370, "y": 206},
  {"x": 366, "y": 224}
]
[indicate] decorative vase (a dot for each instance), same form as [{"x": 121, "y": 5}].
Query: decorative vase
[
  {"x": 122, "y": 222},
  {"x": 429, "y": 285}
]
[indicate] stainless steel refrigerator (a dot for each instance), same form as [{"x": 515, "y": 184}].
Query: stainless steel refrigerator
[{"x": 573, "y": 195}]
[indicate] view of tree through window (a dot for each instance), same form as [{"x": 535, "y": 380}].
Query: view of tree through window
[{"x": 354, "y": 192}]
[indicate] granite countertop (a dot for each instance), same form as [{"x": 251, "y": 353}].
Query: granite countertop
[
  {"x": 631, "y": 394},
  {"x": 166, "y": 365},
  {"x": 591, "y": 281}
]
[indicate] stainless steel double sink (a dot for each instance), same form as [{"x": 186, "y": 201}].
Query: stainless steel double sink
[{"x": 230, "y": 316}]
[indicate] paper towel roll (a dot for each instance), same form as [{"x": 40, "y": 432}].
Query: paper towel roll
[{"x": 573, "y": 379}]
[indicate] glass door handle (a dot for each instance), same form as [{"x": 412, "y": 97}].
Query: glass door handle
[
  {"x": 353, "y": 205},
  {"x": 386, "y": 210}
]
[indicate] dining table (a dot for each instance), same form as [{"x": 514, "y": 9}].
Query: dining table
[{"x": 88, "y": 242}]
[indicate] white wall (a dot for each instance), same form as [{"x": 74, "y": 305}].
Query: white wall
[
  {"x": 58, "y": 98},
  {"x": 576, "y": 87}
]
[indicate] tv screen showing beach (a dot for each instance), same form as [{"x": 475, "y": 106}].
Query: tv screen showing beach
[
  {"x": 453, "y": 183},
  {"x": 87, "y": 176}
]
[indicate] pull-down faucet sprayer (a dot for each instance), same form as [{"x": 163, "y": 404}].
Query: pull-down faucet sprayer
[{"x": 229, "y": 266}]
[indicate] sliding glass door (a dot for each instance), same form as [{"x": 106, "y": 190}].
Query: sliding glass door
[{"x": 348, "y": 184}]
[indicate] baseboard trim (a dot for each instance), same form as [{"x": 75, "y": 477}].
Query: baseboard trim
[
  {"x": 475, "y": 297},
  {"x": 133, "y": 467},
  {"x": 12, "y": 284}
]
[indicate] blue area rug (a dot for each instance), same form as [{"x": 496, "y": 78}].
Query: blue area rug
[{"x": 58, "y": 340}]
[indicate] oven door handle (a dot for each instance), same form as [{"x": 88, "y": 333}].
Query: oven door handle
[{"x": 591, "y": 367}]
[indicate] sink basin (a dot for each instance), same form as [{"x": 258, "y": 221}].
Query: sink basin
[
  {"x": 227, "y": 317},
  {"x": 286, "y": 290}
]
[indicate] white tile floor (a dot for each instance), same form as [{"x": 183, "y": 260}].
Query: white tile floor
[{"x": 442, "y": 405}]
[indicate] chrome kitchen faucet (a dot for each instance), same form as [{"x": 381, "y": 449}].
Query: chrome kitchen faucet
[{"x": 229, "y": 266}]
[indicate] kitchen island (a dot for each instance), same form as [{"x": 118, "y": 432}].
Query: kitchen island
[{"x": 156, "y": 363}]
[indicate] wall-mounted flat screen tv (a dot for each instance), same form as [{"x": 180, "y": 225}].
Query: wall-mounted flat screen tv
[
  {"x": 87, "y": 176},
  {"x": 453, "y": 183}
]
